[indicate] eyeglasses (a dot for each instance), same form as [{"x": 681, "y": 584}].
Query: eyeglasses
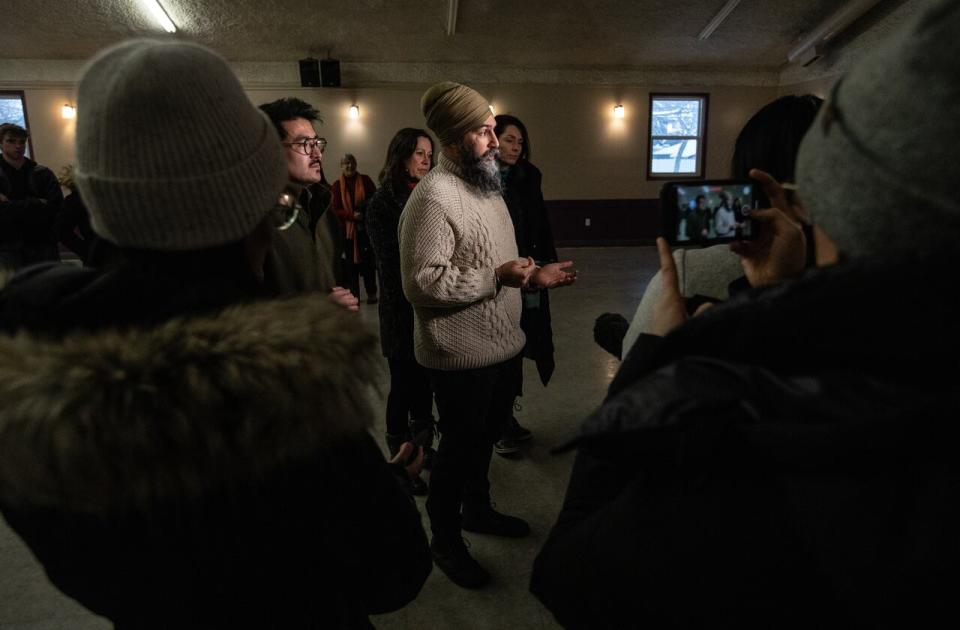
[
  {"x": 285, "y": 212},
  {"x": 307, "y": 145}
]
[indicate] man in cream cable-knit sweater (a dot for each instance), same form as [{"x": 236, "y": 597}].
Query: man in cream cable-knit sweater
[{"x": 458, "y": 258}]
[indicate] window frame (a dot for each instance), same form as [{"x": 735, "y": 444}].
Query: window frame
[
  {"x": 704, "y": 98},
  {"x": 26, "y": 117}
]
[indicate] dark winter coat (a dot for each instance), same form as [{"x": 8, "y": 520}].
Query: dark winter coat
[
  {"x": 75, "y": 232},
  {"x": 296, "y": 263},
  {"x": 328, "y": 232},
  {"x": 785, "y": 460},
  {"x": 209, "y": 471},
  {"x": 27, "y": 233},
  {"x": 396, "y": 313},
  {"x": 531, "y": 223}
]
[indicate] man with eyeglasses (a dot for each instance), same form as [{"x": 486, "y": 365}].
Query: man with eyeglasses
[{"x": 301, "y": 258}]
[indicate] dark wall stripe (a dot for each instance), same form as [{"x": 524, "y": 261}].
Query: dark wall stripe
[{"x": 612, "y": 221}]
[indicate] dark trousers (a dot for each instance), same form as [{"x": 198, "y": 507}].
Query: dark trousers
[
  {"x": 367, "y": 267},
  {"x": 410, "y": 401},
  {"x": 473, "y": 407}
]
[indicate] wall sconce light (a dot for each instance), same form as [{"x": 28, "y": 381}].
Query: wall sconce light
[
  {"x": 618, "y": 111},
  {"x": 354, "y": 112},
  {"x": 68, "y": 111}
]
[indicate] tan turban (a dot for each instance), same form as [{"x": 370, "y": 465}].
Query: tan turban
[{"x": 452, "y": 109}]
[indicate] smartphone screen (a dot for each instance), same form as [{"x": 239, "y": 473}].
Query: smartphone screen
[{"x": 708, "y": 212}]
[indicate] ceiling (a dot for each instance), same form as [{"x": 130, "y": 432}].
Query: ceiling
[{"x": 577, "y": 35}]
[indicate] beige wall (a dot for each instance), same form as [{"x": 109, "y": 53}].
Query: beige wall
[
  {"x": 820, "y": 87},
  {"x": 51, "y": 136},
  {"x": 583, "y": 151}
]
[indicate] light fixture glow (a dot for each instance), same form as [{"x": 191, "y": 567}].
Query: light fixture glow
[
  {"x": 68, "y": 111},
  {"x": 160, "y": 15},
  {"x": 718, "y": 19},
  {"x": 618, "y": 111},
  {"x": 812, "y": 46},
  {"x": 354, "y": 112}
]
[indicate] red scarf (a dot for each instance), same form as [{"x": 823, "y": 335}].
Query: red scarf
[{"x": 359, "y": 196}]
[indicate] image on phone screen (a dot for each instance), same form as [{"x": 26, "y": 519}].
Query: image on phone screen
[{"x": 714, "y": 212}]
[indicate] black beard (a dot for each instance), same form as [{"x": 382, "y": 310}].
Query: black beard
[{"x": 482, "y": 171}]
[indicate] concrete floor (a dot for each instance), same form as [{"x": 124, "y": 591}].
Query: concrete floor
[{"x": 611, "y": 280}]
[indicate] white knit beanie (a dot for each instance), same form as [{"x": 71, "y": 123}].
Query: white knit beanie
[
  {"x": 878, "y": 170},
  {"x": 171, "y": 154}
]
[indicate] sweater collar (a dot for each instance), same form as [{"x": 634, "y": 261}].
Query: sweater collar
[{"x": 449, "y": 165}]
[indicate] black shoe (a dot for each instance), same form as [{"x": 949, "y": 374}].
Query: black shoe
[
  {"x": 452, "y": 557},
  {"x": 419, "y": 487},
  {"x": 505, "y": 447},
  {"x": 515, "y": 432},
  {"x": 486, "y": 520}
]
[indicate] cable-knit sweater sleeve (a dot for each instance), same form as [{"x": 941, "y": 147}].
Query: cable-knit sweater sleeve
[{"x": 434, "y": 273}]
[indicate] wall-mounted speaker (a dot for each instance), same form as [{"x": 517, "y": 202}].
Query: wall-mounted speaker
[
  {"x": 330, "y": 72},
  {"x": 310, "y": 72}
]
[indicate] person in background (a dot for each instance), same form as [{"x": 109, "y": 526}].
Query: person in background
[
  {"x": 725, "y": 221},
  {"x": 350, "y": 195},
  {"x": 74, "y": 230},
  {"x": 30, "y": 200},
  {"x": 787, "y": 458},
  {"x": 700, "y": 223},
  {"x": 176, "y": 451},
  {"x": 523, "y": 195},
  {"x": 410, "y": 401}
]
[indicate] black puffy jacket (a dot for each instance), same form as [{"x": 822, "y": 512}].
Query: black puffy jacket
[{"x": 785, "y": 460}]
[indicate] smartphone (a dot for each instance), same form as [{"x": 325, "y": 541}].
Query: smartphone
[
  {"x": 708, "y": 212},
  {"x": 420, "y": 439}
]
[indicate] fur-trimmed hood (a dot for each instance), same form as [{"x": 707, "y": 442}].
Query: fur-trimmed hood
[{"x": 96, "y": 423}]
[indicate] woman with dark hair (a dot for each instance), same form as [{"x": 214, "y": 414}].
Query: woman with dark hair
[
  {"x": 771, "y": 139},
  {"x": 410, "y": 401},
  {"x": 531, "y": 224}
]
